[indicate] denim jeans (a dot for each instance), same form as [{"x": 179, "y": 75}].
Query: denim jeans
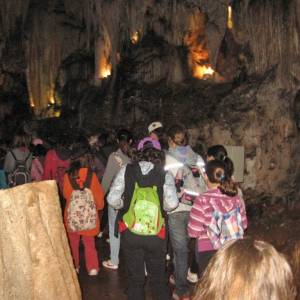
[
  {"x": 178, "y": 222},
  {"x": 114, "y": 242}
]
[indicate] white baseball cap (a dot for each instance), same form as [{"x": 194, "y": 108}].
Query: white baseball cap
[{"x": 153, "y": 126}]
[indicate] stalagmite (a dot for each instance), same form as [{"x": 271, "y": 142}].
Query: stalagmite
[{"x": 35, "y": 259}]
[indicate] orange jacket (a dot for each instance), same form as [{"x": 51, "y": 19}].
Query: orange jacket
[{"x": 98, "y": 194}]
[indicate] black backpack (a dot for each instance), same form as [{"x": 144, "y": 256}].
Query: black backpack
[{"x": 20, "y": 174}]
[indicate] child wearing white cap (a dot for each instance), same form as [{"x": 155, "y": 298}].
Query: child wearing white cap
[{"x": 155, "y": 129}]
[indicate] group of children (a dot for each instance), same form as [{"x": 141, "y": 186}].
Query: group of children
[{"x": 159, "y": 192}]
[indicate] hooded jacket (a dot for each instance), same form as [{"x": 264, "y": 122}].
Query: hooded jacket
[
  {"x": 56, "y": 163},
  {"x": 170, "y": 200},
  {"x": 179, "y": 162}
]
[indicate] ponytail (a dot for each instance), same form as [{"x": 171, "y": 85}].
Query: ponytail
[
  {"x": 217, "y": 173},
  {"x": 229, "y": 168},
  {"x": 228, "y": 187}
]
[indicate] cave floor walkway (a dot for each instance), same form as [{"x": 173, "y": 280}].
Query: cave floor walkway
[{"x": 109, "y": 284}]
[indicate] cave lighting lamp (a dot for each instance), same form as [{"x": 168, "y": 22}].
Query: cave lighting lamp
[
  {"x": 57, "y": 114},
  {"x": 51, "y": 99},
  {"x": 31, "y": 102},
  {"x": 135, "y": 38},
  {"x": 229, "y": 17},
  {"x": 202, "y": 71},
  {"x": 105, "y": 70}
]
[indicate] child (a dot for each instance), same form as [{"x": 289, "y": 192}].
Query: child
[
  {"x": 18, "y": 159},
  {"x": 37, "y": 167},
  {"x": 79, "y": 174},
  {"x": 247, "y": 269},
  {"x": 146, "y": 171},
  {"x": 182, "y": 162},
  {"x": 57, "y": 161},
  {"x": 220, "y": 197},
  {"x": 115, "y": 162},
  {"x": 219, "y": 152}
]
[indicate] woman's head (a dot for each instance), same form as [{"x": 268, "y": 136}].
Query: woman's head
[
  {"x": 218, "y": 176},
  {"x": 177, "y": 136},
  {"x": 219, "y": 152},
  {"x": 21, "y": 139},
  {"x": 124, "y": 139},
  {"x": 246, "y": 269},
  {"x": 216, "y": 152}
]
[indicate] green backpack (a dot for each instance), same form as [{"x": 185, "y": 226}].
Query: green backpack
[{"x": 144, "y": 215}]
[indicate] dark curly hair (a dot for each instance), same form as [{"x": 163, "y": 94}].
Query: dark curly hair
[{"x": 157, "y": 157}]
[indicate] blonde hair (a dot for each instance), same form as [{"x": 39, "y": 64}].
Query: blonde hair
[
  {"x": 246, "y": 269},
  {"x": 295, "y": 263}
]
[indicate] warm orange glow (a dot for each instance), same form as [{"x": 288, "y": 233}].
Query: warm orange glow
[
  {"x": 135, "y": 38},
  {"x": 196, "y": 42},
  {"x": 202, "y": 71},
  {"x": 105, "y": 68},
  {"x": 51, "y": 99},
  {"x": 229, "y": 17},
  {"x": 57, "y": 113},
  {"x": 31, "y": 102},
  {"x": 106, "y": 71}
]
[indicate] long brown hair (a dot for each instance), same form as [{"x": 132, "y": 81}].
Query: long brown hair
[
  {"x": 216, "y": 173},
  {"x": 246, "y": 269},
  {"x": 21, "y": 139}
]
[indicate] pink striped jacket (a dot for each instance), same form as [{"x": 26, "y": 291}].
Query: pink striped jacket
[{"x": 201, "y": 214}]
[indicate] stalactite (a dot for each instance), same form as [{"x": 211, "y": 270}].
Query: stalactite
[
  {"x": 12, "y": 11},
  {"x": 272, "y": 31},
  {"x": 113, "y": 24},
  {"x": 49, "y": 42}
]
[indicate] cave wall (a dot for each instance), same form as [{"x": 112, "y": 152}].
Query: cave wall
[
  {"x": 259, "y": 116},
  {"x": 271, "y": 28},
  {"x": 131, "y": 62}
]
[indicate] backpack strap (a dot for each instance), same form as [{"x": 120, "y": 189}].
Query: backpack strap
[
  {"x": 13, "y": 155},
  {"x": 29, "y": 154},
  {"x": 15, "y": 158},
  {"x": 73, "y": 183},
  {"x": 88, "y": 179}
]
